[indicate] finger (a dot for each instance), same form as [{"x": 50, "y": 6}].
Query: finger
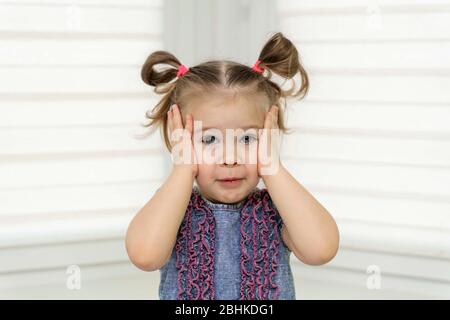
[
  {"x": 169, "y": 121},
  {"x": 275, "y": 117},
  {"x": 266, "y": 126},
  {"x": 177, "y": 122},
  {"x": 272, "y": 115},
  {"x": 274, "y": 109},
  {"x": 189, "y": 123},
  {"x": 267, "y": 120}
]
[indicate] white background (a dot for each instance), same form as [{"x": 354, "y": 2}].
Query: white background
[{"x": 371, "y": 139}]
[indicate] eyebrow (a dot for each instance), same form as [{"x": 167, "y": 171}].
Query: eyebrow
[{"x": 252, "y": 126}]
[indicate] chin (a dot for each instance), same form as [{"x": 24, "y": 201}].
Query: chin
[{"x": 233, "y": 195}]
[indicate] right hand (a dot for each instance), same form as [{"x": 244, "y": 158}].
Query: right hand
[{"x": 183, "y": 152}]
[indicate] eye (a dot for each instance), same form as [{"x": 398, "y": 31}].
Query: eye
[
  {"x": 208, "y": 139},
  {"x": 248, "y": 138}
]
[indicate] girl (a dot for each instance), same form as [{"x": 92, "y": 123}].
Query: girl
[{"x": 208, "y": 229}]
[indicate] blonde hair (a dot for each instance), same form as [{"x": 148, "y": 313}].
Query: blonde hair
[{"x": 278, "y": 56}]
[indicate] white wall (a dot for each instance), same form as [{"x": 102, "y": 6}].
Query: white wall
[
  {"x": 73, "y": 169},
  {"x": 371, "y": 142}
]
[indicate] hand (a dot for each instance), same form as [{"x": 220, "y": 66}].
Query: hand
[
  {"x": 183, "y": 153},
  {"x": 269, "y": 144}
]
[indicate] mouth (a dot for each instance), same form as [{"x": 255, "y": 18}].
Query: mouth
[
  {"x": 230, "y": 182},
  {"x": 230, "y": 179}
]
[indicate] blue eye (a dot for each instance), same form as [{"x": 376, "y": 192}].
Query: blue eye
[
  {"x": 248, "y": 139},
  {"x": 208, "y": 139}
]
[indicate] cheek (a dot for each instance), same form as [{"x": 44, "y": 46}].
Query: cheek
[
  {"x": 251, "y": 170},
  {"x": 251, "y": 173},
  {"x": 205, "y": 171},
  {"x": 248, "y": 154},
  {"x": 209, "y": 154}
]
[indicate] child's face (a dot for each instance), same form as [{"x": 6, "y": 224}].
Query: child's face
[{"x": 216, "y": 121}]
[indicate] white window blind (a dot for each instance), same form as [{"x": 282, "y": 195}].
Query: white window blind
[
  {"x": 72, "y": 164},
  {"x": 372, "y": 136}
]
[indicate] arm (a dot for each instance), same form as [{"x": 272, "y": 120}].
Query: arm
[
  {"x": 309, "y": 231},
  {"x": 152, "y": 233}
]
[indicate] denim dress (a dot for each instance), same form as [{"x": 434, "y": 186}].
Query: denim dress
[{"x": 227, "y": 270}]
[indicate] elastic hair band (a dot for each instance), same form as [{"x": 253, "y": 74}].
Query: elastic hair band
[
  {"x": 182, "y": 69},
  {"x": 256, "y": 67}
]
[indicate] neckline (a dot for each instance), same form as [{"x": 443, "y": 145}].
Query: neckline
[{"x": 229, "y": 206}]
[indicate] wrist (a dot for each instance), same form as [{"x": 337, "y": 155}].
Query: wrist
[{"x": 185, "y": 171}]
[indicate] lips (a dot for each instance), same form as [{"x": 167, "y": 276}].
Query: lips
[
  {"x": 229, "y": 183},
  {"x": 231, "y": 179}
]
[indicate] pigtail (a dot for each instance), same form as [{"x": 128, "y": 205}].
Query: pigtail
[
  {"x": 281, "y": 57},
  {"x": 162, "y": 81}
]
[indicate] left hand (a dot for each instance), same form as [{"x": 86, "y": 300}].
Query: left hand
[{"x": 269, "y": 144}]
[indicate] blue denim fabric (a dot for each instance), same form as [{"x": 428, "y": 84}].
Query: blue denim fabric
[{"x": 227, "y": 259}]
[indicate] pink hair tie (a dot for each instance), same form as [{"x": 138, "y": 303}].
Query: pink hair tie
[
  {"x": 182, "y": 69},
  {"x": 256, "y": 67}
]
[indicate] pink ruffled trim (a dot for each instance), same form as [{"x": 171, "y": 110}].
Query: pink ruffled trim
[{"x": 195, "y": 248}]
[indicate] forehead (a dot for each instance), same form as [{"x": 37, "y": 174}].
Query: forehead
[{"x": 228, "y": 112}]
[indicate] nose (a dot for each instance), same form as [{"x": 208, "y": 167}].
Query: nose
[
  {"x": 230, "y": 157},
  {"x": 230, "y": 163}
]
